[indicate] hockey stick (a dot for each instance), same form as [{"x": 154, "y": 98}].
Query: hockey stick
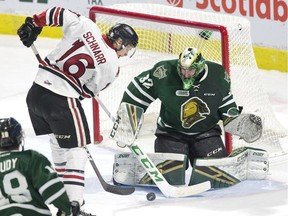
[
  {"x": 107, "y": 187},
  {"x": 167, "y": 189}
]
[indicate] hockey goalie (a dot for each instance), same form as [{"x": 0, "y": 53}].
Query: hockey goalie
[{"x": 195, "y": 95}]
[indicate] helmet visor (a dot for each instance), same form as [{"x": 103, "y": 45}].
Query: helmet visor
[{"x": 128, "y": 50}]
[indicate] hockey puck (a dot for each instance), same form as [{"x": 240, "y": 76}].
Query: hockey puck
[{"x": 150, "y": 196}]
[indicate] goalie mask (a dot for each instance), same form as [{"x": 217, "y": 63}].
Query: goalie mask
[
  {"x": 126, "y": 33},
  {"x": 190, "y": 65},
  {"x": 11, "y": 134}
]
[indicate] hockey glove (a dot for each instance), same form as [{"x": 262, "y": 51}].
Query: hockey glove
[
  {"x": 28, "y": 32},
  {"x": 247, "y": 126}
]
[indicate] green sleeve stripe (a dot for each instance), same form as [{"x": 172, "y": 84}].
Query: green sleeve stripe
[
  {"x": 142, "y": 92},
  {"x": 49, "y": 200},
  {"x": 48, "y": 185},
  {"x": 227, "y": 103},
  {"x": 136, "y": 99},
  {"x": 228, "y": 96}
]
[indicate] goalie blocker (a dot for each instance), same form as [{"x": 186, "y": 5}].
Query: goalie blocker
[
  {"x": 127, "y": 124},
  {"x": 242, "y": 164}
]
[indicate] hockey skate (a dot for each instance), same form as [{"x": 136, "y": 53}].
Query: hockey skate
[{"x": 76, "y": 211}]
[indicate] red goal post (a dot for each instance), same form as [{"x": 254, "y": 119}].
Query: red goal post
[{"x": 164, "y": 31}]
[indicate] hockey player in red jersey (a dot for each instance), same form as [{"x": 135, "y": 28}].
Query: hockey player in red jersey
[
  {"x": 83, "y": 63},
  {"x": 28, "y": 181}
]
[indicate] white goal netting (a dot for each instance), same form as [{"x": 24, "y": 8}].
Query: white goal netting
[{"x": 164, "y": 32}]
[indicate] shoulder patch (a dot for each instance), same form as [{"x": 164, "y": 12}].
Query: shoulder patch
[{"x": 160, "y": 72}]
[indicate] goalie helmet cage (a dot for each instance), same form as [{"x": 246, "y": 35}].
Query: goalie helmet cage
[{"x": 164, "y": 32}]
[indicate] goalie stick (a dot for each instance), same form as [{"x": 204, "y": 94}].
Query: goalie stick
[
  {"x": 107, "y": 187},
  {"x": 167, "y": 189}
]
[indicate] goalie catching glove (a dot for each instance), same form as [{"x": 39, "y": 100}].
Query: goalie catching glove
[
  {"x": 247, "y": 126},
  {"x": 127, "y": 124}
]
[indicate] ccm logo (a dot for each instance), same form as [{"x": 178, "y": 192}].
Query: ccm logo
[
  {"x": 62, "y": 136},
  {"x": 214, "y": 151}
]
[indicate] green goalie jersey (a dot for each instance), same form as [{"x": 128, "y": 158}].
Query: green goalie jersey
[
  {"x": 187, "y": 111},
  {"x": 28, "y": 184}
]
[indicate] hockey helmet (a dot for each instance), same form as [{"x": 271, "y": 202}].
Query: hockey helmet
[
  {"x": 11, "y": 134},
  {"x": 125, "y": 32},
  {"x": 190, "y": 59}
]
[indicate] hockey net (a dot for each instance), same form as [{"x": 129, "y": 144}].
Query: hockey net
[{"x": 164, "y": 32}]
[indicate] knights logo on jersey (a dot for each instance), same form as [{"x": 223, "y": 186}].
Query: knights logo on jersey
[
  {"x": 160, "y": 72},
  {"x": 193, "y": 111}
]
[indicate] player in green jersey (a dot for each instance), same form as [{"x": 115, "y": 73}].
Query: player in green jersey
[
  {"x": 195, "y": 95},
  {"x": 28, "y": 181}
]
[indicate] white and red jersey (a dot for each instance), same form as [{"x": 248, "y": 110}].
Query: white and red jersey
[{"x": 83, "y": 63}]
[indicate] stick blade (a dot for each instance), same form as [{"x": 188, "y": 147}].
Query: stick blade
[
  {"x": 118, "y": 190},
  {"x": 108, "y": 187},
  {"x": 185, "y": 191}
]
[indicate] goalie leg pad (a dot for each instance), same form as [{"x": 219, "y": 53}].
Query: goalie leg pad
[
  {"x": 244, "y": 163},
  {"x": 128, "y": 171}
]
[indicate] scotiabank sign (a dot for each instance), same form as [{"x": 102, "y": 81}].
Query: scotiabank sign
[
  {"x": 264, "y": 9},
  {"x": 264, "y": 15}
]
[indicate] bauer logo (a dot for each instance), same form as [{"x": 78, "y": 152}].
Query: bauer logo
[{"x": 176, "y": 3}]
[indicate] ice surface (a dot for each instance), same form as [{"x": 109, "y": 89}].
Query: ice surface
[{"x": 269, "y": 197}]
